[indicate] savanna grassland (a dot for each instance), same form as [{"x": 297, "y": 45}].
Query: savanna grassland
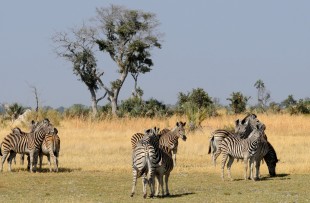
[{"x": 95, "y": 165}]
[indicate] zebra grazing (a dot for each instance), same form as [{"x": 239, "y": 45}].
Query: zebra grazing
[
  {"x": 271, "y": 160},
  {"x": 235, "y": 147},
  {"x": 145, "y": 159},
  {"x": 30, "y": 144},
  {"x": 245, "y": 127}
]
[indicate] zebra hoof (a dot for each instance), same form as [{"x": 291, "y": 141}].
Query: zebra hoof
[
  {"x": 144, "y": 196},
  {"x": 131, "y": 195},
  {"x": 167, "y": 195}
]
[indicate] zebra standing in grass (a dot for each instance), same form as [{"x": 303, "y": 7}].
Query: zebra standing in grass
[
  {"x": 145, "y": 158},
  {"x": 30, "y": 144},
  {"x": 168, "y": 144},
  {"x": 245, "y": 127},
  {"x": 170, "y": 138},
  {"x": 235, "y": 147},
  {"x": 271, "y": 160},
  {"x": 50, "y": 148}
]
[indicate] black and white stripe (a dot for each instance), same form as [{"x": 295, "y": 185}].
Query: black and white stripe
[
  {"x": 234, "y": 147},
  {"x": 30, "y": 144},
  {"x": 145, "y": 158}
]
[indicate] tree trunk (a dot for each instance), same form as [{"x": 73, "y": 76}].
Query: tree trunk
[
  {"x": 94, "y": 102},
  {"x": 114, "y": 105},
  {"x": 114, "y": 97}
]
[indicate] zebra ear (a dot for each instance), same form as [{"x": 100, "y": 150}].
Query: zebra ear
[
  {"x": 177, "y": 124},
  {"x": 147, "y": 131},
  {"x": 33, "y": 122},
  {"x": 253, "y": 116},
  {"x": 184, "y": 123},
  {"x": 237, "y": 122}
]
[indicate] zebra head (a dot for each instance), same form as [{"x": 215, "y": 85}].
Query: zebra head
[
  {"x": 180, "y": 129},
  {"x": 271, "y": 160},
  {"x": 44, "y": 127},
  {"x": 17, "y": 131},
  {"x": 244, "y": 127}
]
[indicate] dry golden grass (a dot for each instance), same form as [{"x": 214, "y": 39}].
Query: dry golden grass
[
  {"x": 105, "y": 145},
  {"x": 95, "y": 165}
]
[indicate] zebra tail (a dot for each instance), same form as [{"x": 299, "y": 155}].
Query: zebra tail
[{"x": 210, "y": 143}]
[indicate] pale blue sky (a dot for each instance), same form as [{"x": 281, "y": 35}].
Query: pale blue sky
[{"x": 220, "y": 46}]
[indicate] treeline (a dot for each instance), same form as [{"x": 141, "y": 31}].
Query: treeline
[{"x": 196, "y": 105}]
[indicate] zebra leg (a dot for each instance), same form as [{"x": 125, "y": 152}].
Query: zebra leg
[
  {"x": 166, "y": 183},
  {"x": 230, "y": 162},
  {"x": 151, "y": 184},
  {"x": 41, "y": 159},
  {"x": 11, "y": 157},
  {"x": 56, "y": 157},
  {"x": 224, "y": 159},
  {"x": 31, "y": 154},
  {"x": 174, "y": 157},
  {"x": 28, "y": 164},
  {"x": 4, "y": 155},
  {"x": 144, "y": 183},
  {"x": 160, "y": 184},
  {"x": 257, "y": 166},
  {"x": 134, "y": 182},
  {"x": 246, "y": 161},
  {"x": 157, "y": 180}
]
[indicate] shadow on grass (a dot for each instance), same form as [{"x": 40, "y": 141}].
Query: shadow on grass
[
  {"x": 177, "y": 195},
  {"x": 47, "y": 170}
]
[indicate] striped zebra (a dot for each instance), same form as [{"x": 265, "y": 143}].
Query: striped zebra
[
  {"x": 138, "y": 136},
  {"x": 271, "y": 160},
  {"x": 235, "y": 147},
  {"x": 216, "y": 138},
  {"x": 245, "y": 127},
  {"x": 50, "y": 148},
  {"x": 145, "y": 158},
  {"x": 170, "y": 139},
  {"x": 29, "y": 144},
  {"x": 165, "y": 167}
]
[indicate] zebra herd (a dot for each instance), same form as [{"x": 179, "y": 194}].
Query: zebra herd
[
  {"x": 154, "y": 156},
  {"x": 249, "y": 143},
  {"x": 41, "y": 140},
  {"x": 154, "y": 152}
]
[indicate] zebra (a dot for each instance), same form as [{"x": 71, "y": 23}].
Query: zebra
[
  {"x": 271, "y": 160},
  {"x": 166, "y": 138},
  {"x": 170, "y": 139},
  {"x": 168, "y": 143},
  {"x": 245, "y": 127},
  {"x": 30, "y": 144},
  {"x": 216, "y": 138},
  {"x": 235, "y": 147},
  {"x": 138, "y": 136},
  {"x": 50, "y": 148},
  {"x": 145, "y": 158}
]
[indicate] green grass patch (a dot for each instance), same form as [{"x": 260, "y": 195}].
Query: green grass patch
[{"x": 115, "y": 186}]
